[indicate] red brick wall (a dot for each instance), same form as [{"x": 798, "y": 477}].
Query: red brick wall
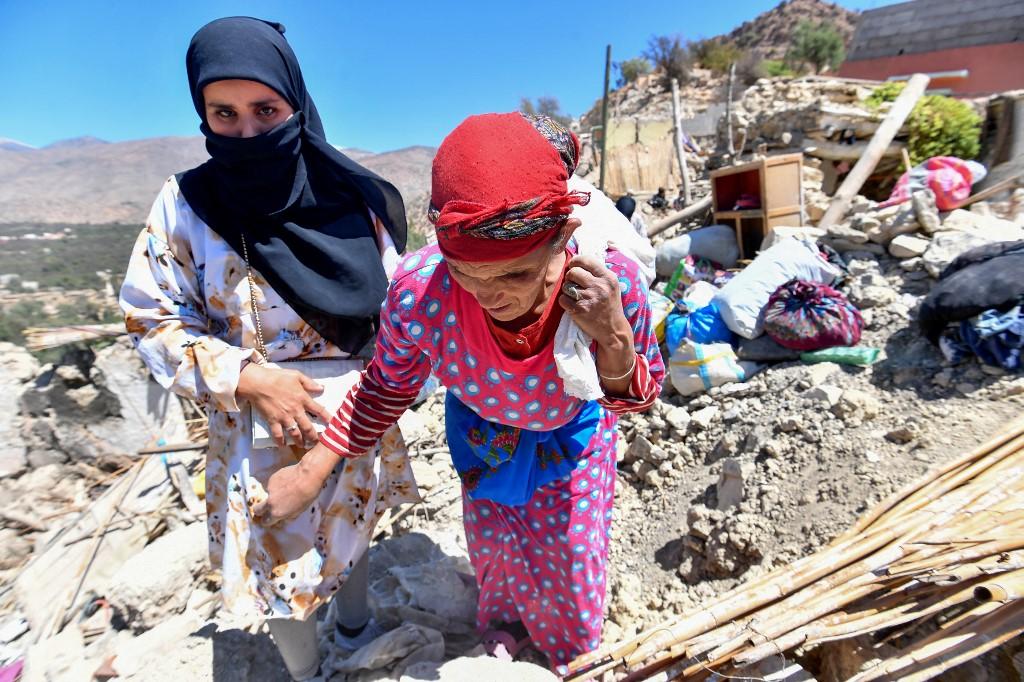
[{"x": 993, "y": 68}]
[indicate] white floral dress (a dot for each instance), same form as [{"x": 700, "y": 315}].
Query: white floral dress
[{"x": 187, "y": 308}]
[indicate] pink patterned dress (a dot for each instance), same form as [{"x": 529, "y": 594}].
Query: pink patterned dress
[{"x": 543, "y": 562}]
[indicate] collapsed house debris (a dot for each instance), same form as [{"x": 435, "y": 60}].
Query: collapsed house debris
[{"x": 779, "y": 428}]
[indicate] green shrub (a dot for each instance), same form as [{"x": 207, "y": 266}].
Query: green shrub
[
  {"x": 886, "y": 92},
  {"x": 776, "y": 68},
  {"x": 631, "y": 69},
  {"x": 938, "y": 125},
  {"x": 715, "y": 56},
  {"x": 819, "y": 45}
]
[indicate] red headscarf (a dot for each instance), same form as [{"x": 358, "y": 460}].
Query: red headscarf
[{"x": 499, "y": 186}]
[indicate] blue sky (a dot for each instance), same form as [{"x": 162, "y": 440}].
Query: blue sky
[{"x": 384, "y": 74}]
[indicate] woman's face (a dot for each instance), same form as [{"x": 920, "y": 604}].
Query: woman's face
[
  {"x": 509, "y": 289},
  {"x": 241, "y": 108}
]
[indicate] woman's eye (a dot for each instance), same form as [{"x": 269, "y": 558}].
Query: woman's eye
[
  {"x": 268, "y": 111},
  {"x": 225, "y": 113}
]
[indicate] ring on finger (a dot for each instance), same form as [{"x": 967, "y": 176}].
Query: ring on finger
[
  {"x": 293, "y": 427},
  {"x": 572, "y": 291}
]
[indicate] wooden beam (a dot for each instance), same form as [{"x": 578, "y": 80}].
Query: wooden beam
[
  {"x": 677, "y": 118},
  {"x": 688, "y": 212},
  {"x": 901, "y": 108}
]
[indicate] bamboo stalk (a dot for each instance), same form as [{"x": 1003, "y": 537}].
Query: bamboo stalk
[
  {"x": 1012, "y": 433},
  {"x": 919, "y": 553},
  {"x": 1007, "y": 587}
]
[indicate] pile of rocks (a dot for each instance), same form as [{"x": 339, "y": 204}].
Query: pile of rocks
[{"x": 924, "y": 240}]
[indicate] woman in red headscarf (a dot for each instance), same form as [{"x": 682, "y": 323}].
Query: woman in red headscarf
[{"x": 481, "y": 309}]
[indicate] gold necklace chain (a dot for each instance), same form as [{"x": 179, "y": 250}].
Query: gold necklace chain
[{"x": 252, "y": 301}]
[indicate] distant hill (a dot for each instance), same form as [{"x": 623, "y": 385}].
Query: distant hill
[
  {"x": 87, "y": 180},
  {"x": 770, "y": 34},
  {"x": 7, "y": 144},
  {"x": 76, "y": 142}
]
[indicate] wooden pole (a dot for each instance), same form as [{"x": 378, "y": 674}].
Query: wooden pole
[
  {"x": 728, "y": 109},
  {"x": 688, "y": 212},
  {"x": 677, "y": 117},
  {"x": 604, "y": 116},
  {"x": 901, "y": 108}
]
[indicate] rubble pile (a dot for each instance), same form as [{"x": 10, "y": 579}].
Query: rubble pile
[
  {"x": 783, "y": 113},
  {"x": 917, "y": 235}
]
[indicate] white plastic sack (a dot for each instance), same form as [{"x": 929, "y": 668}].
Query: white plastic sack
[
  {"x": 698, "y": 367},
  {"x": 699, "y": 294},
  {"x": 714, "y": 242},
  {"x": 602, "y": 221},
  {"x": 603, "y": 226},
  {"x": 743, "y": 299}
]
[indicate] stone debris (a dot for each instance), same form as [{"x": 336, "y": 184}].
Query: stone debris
[{"x": 711, "y": 490}]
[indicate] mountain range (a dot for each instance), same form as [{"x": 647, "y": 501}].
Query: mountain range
[{"x": 87, "y": 180}]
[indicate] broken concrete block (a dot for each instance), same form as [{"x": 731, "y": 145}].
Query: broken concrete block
[
  {"x": 730, "y": 483},
  {"x": 829, "y": 395},
  {"x": 702, "y": 419},
  {"x": 905, "y": 246},
  {"x": 927, "y": 213},
  {"x": 157, "y": 582},
  {"x": 642, "y": 450}
]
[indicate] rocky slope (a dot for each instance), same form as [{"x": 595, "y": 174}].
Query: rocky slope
[
  {"x": 86, "y": 180},
  {"x": 770, "y": 34}
]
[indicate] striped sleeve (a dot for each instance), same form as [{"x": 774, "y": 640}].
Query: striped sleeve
[
  {"x": 387, "y": 388},
  {"x": 650, "y": 367}
]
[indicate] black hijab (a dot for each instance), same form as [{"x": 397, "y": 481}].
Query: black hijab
[
  {"x": 626, "y": 205},
  {"x": 300, "y": 203}
]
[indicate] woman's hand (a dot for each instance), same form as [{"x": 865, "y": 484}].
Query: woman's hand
[
  {"x": 284, "y": 398},
  {"x": 292, "y": 489},
  {"x": 591, "y": 295}
]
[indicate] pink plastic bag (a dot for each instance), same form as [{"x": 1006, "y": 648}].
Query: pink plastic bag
[{"x": 948, "y": 177}]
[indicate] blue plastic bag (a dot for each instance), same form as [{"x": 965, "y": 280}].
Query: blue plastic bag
[{"x": 704, "y": 325}]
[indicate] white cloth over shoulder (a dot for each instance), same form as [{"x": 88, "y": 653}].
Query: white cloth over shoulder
[{"x": 603, "y": 226}]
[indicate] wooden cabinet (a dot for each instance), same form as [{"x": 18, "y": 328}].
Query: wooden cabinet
[{"x": 757, "y": 196}]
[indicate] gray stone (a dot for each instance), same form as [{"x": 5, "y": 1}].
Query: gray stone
[
  {"x": 727, "y": 446},
  {"x": 730, "y": 484},
  {"x": 905, "y": 246},
  {"x": 946, "y": 246},
  {"x": 702, "y": 419},
  {"x": 872, "y": 297},
  {"x": 157, "y": 582},
  {"x": 678, "y": 418},
  {"x": 829, "y": 395},
  {"x": 924, "y": 208},
  {"x": 857, "y": 404},
  {"x": 844, "y": 231},
  {"x": 642, "y": 450},
  {"x": 902, "y": 434},
  {"x": 818, "y": 373}
]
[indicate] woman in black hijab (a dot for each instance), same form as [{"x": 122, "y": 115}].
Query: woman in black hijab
[{"x": 274, "y": 249}]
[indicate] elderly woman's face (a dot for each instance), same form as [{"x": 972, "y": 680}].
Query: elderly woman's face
[
  {"x": 509, "y": 289},
  {"x": 242, "y": 108}
]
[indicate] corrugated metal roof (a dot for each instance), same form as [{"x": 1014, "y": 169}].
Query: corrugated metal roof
[{"x": 928, "y": 25}]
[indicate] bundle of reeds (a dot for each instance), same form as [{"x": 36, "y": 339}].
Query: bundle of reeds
[
  {"x": 946, "y": 552},
  {"x": 44, "y": 338}
]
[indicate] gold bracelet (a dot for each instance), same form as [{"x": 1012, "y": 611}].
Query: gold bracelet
[{"x": 630, "y": 371}]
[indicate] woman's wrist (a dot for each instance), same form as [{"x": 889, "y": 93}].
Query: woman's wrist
[{"x": 318, "y": 462}]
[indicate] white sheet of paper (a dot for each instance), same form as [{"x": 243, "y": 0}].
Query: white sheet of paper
[{"x": 336, "y": 376}]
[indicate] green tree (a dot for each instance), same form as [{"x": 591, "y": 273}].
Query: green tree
[
  {"x": 716, "y": 56},
  {"x": 631, "y": 69},
  {"x": 670, "y": 57},
  {"x": 819, "y": 45},
  {"x": 545, "y": 106}
]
